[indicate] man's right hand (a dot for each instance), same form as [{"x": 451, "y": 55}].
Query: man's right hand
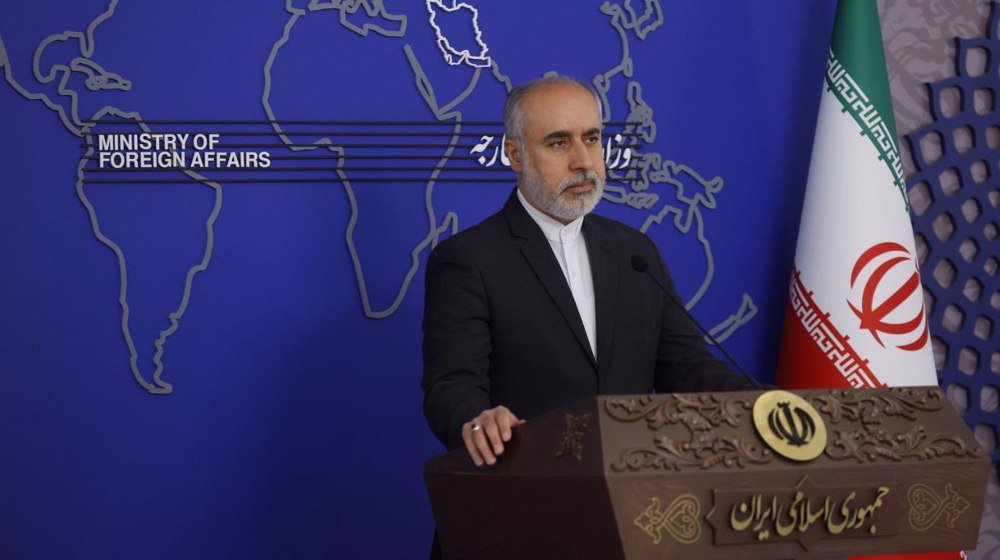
[{"x": 485, "y": 434}]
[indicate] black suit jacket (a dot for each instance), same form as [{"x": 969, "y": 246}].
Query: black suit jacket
[{"x": 501, "y": 327}]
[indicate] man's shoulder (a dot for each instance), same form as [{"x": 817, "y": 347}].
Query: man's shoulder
[
  {"x": 619, "y": 231},
  {"x": 611, "y": 224},
  {"x": 475, "y": 238}
]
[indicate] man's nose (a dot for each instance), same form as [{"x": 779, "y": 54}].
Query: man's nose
[{"x": 583, "y": 158}]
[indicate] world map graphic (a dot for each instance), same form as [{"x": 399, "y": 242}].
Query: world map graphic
[{"x": 449, "y": 70}]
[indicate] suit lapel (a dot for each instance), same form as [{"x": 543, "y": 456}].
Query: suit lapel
[
  {"x": 605, "y": 274},
  {"x": 538, "y": 253}
]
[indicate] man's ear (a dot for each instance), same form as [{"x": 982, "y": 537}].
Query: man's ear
[{"x": 513, "y": 155}]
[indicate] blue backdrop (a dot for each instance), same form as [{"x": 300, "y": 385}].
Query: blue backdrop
[{"x": 221, "y": 369}]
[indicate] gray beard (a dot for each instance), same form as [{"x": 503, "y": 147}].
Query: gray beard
[{"x": 560, "y": 205}]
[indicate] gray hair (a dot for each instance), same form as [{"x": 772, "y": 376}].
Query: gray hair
[{"x": 513, "y": 116}]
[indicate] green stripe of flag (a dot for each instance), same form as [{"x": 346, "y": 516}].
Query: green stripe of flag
[
  {"x": 856, "y": 74},
  {"x": 857, "y": 44}
]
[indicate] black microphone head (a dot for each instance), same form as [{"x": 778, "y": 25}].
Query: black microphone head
[{"x": 639, "y": 263}]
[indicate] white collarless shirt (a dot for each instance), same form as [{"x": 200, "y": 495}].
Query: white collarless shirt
[{"x": 570, "y": 248}]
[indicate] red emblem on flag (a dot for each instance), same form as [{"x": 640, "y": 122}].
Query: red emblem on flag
[{"x": 878, "y": 268}]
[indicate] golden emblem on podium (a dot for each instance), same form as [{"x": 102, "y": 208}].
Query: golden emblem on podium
[
  {"x": 789, "y": 425},
  {"x": 681, "y": 519},
  {"x": 927, "y": 506}
]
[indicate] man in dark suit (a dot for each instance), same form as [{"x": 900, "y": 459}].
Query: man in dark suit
[{"x": 539, "y": 306}]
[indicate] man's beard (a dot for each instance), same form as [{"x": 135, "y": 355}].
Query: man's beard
[{"x": 564, "y": 206}]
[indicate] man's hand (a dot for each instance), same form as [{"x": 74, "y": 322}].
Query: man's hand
[{"x": 485, "y": 434}]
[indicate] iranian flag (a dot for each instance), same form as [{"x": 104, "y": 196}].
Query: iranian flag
[{"x": 855, "y": 315}]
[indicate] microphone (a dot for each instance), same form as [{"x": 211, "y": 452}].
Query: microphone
[{"x": 641, "y": 266}]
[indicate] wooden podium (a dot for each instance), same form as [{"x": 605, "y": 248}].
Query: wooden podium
[{"x": 762, "y": 475}]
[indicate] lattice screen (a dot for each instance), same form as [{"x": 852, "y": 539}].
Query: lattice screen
[{"x": 955, "y": 194}]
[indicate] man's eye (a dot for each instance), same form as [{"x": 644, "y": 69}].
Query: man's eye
[
  {"x": 594, "y": 140},
  {"x": 558, "y": 144}
]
